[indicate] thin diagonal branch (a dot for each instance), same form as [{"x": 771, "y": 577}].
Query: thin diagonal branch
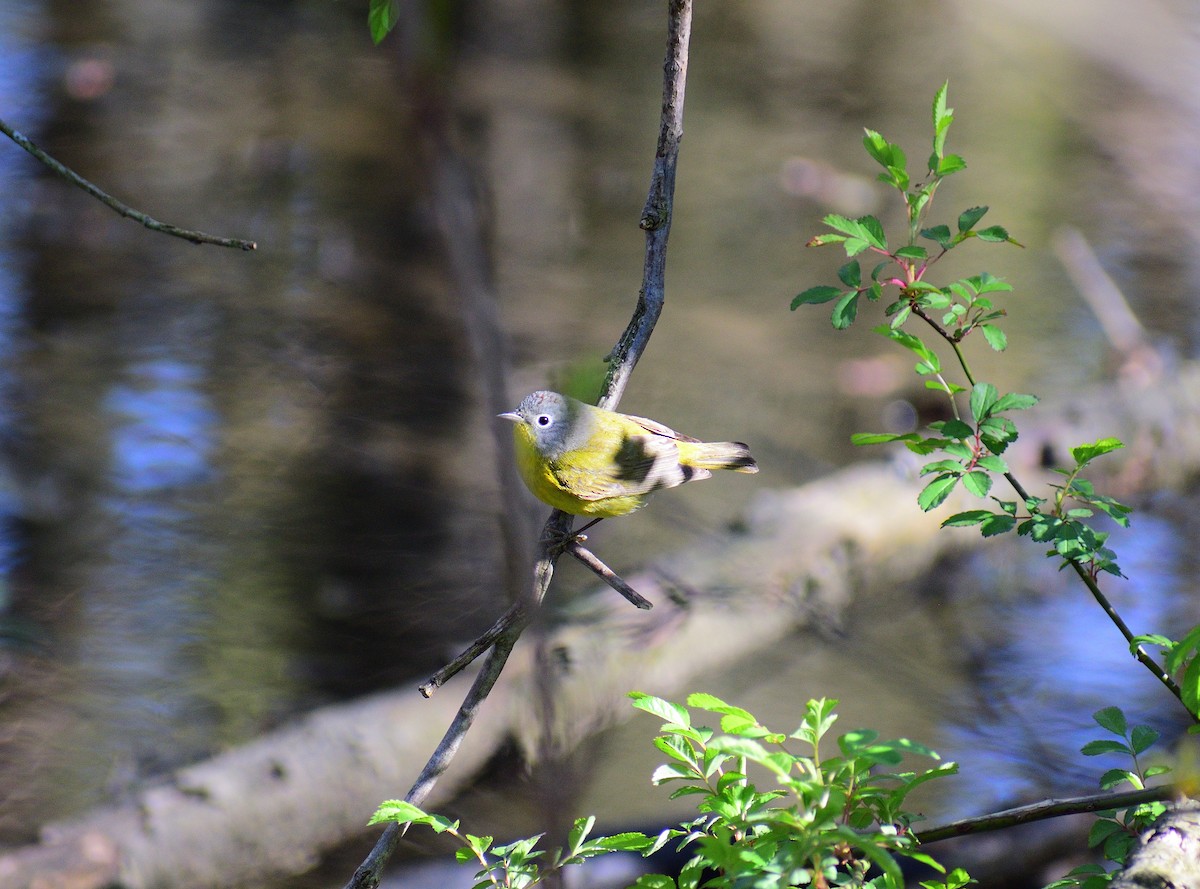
[
  {"x": 656, "y": 221},
  {"x": 610, "y": 577},
  {"x": 1051, "y": 808},
  {"x": 658, "y": 212},
  {"x": 196, "y": 237}
]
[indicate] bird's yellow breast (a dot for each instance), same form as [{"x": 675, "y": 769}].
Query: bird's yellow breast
[{"x": 570, "y": 481}]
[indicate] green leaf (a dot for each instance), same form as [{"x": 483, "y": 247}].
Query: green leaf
[
  {"x": 936, "y": 492},
  {"x": 866, "y": 229},
  {"x": 872, "y": 438},
  {"x": 1085, "y": 453},
  {"x": 845, "y": 311},
  {"x": 397, "y": 810},
  {"x": 1189, "y": 686},
  {"x": 1096, "y": 748},
  {"x": 983, "y": 398},
  {"x": 1113, "y": 719},
  {"x": 968, "y": 218},
  {"x": 1101, "y": 831},
  {"x": 914, "y": 252},
  {"x": 1014, "y": 401},
  {"x": 939, "y": 233},
  {"x": 951, "y": 163},
  {"x": 630, "y": 841},
  {"x": 997, "y": 524},
  {"x": 968, "y": 518},
  {"x": 996, "y": 338},
  {"x": 850, "y": 274},
  {"x": 1142, "y": 738},
  {"x": 1179, "y": 652},
  {"x": 816, "y": 295},
  {"x": 665, "y": 710},
  {"x": 978, "y": 483},
  {"x": 940, "y": 111},
  {"x": 987, "y": 283},
  {"x": 823, "y": 239},
  {"x": 997, "y": 234},
  {"x": 653, "y": 881},
  {"x": 382, "y": 16},
  {"x": 953, "y": 429}
]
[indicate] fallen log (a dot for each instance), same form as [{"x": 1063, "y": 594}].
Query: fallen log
[{"x": 272, "y": 807}]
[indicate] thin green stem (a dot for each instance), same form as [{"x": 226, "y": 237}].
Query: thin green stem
[{"x": 1090, "y": 582}]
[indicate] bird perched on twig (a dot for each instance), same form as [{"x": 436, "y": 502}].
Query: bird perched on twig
[{"x": 588, "y": 461}]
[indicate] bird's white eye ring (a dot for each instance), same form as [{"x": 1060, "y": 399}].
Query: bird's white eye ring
[{"x": 544, "y": 420}]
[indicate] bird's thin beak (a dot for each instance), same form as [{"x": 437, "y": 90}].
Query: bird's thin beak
[{"x": 510, "y": 415}]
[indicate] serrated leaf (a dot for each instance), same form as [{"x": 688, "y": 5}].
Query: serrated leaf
[
  {"x": 850, "y": 274},
  {"x": 1111, "y": 718},
  {"x": 939, "y": 110},
  {"x": 816, "y": 295},
  {"x": 397, "y": 810},
  {"x": 1181, "y": 651},
  {"x": 955, "y": 429},
  {"x": 996, "y": 234},
  {"x": 968, "y": 218},
  {"x": 1189, "y": 685},
  {"x": 936, "y": 492},
  {"x": 845, "y": 311},
  {"x": 822, "y": 240},
  {"x": 996, "y": 338},
  {"x": 914, "y": 252},
  {"x": 873, "y": 438},
  {"x": 988, "y": 283},
  {"x": 1085, "y": 453},
  {"x": 1142, "y": 738},
  {"x": 978, "y": 483},
  {"x": 938, "y": 233},
  {"x": 1101, "y": 831},
  {"x": 1014, "y": 401},
  {"x": 951, "y": 163},
  {"x": 1096, "y": 748},
  {"x": 983, "y": 399},
  {"x": 665, "y": 710},
  {"x": 968, "y": 518}
]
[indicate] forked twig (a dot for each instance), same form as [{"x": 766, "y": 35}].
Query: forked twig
[{"x": 656, "y": 221}]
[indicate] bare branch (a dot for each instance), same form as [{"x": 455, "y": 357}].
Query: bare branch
[
  {"x": 656, "y": 221},
  {"x": 196, "y": 237}
]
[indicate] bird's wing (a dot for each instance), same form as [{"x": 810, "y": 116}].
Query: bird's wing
[{"x": 634, "y": 465}]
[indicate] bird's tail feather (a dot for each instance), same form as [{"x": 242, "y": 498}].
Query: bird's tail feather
[{"x": 718, "y": 455}]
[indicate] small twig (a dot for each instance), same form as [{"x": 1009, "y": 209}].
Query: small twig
[
  {"x": 1052, "y": 808},
  {"x": 610, "y": 577},
  {"x": 516, "y": 614},
  {"x": 658, "y": 211},
  {"x": 368, "y": 873},
  {"x": 656, "y": 222},
  {"x": 196, "y": 237}
]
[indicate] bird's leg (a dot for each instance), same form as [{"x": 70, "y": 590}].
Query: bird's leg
[
  {"x": 560, "y": 543},
  {"x": 579, "y": 534}
]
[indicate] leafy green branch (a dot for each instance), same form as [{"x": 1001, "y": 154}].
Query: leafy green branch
[
  {"x": 837, "y": 820},
  {"x": 968, "y": 448}
]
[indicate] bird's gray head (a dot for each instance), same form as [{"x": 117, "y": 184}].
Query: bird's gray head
[{"x": 554, "y": 420}]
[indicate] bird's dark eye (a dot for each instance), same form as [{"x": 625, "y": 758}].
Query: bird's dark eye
[{"x": 544, "y": 420}]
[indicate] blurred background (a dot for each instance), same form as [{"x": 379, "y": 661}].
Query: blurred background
[{"x": 237, "y": 486}]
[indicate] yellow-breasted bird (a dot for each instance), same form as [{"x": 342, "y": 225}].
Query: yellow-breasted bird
[{"x": 592, "y": 462}]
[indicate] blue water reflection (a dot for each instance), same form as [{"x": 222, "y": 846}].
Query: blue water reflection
[
  {"x": 164, "y": 427},
  {"x": 1045, "y": 657}
]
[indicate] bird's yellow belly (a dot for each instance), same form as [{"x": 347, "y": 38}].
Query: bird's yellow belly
[{"x": 539, "y": 476}]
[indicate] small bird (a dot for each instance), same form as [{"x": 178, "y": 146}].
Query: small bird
[{"x": 591, "y": 462}]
